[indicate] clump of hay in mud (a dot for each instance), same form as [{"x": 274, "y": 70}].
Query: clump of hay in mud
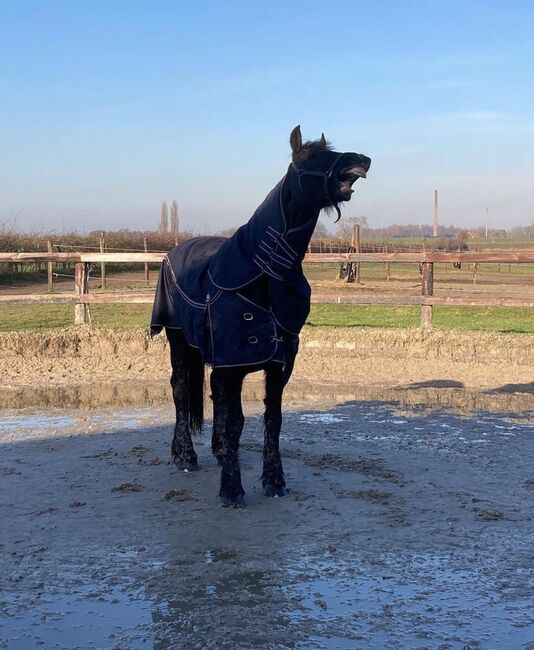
[
  {"x": 488, "y": 515},
  {"x": 177, "y": 495},
  {"x": 128, "y": 487},
  {"x": 374, "y": 496}
]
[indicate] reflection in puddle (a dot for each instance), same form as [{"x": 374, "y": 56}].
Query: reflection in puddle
[
  {"x": 137, "y": 393},
  {"x": 83, "y": 619},
  {"x": 18, "y": 426},
  {"x": 39, "y": 421},
  {"x": 324, "y": 418},
  {"x": 398, "y": 603}
]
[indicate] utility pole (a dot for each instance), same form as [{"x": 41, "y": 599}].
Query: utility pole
[
  {"x": 487, "y": 210},
  {"x": 436, "y": 213}
]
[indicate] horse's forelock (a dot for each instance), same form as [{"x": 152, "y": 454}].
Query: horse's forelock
[{"x": 312, "y": 146}]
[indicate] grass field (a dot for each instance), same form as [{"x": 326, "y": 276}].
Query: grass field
[{"x": 498, "y": 319}]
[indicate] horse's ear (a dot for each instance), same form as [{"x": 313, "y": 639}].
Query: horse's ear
[
  {"x": 295, "y": 140},
  {"x": 322, "y": 141}
]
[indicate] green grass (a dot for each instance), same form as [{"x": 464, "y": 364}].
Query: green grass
[
  {"x": 492, "y": 319},
  {"x": 364, "y": 316},
  {"x": 126, "y": 317},
  {"x": 37, "y": 317}
]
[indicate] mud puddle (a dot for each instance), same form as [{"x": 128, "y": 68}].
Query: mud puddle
[
  {"x": 404, "y": 527},
  {"x": 83, "y": 619},
  {"x": 403, "y": 602},
  {"x": 422, "y": 395}
]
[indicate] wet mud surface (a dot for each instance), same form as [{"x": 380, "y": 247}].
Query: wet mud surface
[{"x": 406, "y": 526}]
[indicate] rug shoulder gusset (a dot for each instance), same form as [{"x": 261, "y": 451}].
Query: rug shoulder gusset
[{"x": 256, "y": 248}]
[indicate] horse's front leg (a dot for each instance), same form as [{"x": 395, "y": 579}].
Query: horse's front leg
[
  {"x": 226, "y": 384},
  {"x": 183, "y": 452},
  {"x": 272, "y": 478}
]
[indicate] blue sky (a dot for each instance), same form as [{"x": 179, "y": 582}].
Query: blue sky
[{"x": 109, "y": 108}]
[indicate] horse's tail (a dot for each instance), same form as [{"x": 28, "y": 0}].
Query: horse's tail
[{"x": 195, "y": 389}]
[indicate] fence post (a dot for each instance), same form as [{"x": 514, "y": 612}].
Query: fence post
[
  {"x": 428, "y": 290},
  {"x": 147, "y": 272},
  {"x": 357, "y": 248},
  {"x": 50, "y": 249},
  {"x": 103, "y": 264},
  {"x": 81, "y": 286}
]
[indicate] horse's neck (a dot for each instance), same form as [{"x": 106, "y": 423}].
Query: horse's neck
[{"x": 296, "y": 212}]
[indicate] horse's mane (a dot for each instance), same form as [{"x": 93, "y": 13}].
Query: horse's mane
[{"x": 309, "y": 148}]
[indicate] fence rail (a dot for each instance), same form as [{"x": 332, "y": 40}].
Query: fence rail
[
  {"x": 315, "y": 258},
  {"x": 81, "y": 297}
]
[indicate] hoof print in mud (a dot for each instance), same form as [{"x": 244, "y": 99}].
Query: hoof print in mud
[
  {"x": 232, "y": 502},
  {"x": 274, "y": 490}
]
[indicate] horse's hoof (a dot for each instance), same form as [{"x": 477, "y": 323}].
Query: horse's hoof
[
  {"x": 219, "y": 459},
  {"x": 186, "y": 466},
  {"x": 232, "y": 502},
  {"x": 274, "y": 490}
]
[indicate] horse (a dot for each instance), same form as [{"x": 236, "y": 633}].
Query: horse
[{"x": 238, "y": 304}]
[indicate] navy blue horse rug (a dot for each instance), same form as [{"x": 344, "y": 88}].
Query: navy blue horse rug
[{"x": 202, "y": 285}]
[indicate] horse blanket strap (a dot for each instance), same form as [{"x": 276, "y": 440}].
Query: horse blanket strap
[{"x": 201, "y": 283}]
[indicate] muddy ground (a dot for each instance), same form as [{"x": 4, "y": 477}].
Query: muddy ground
[
  {"x": 408, "y": 523},
  {"x": 405, "y": 527}
]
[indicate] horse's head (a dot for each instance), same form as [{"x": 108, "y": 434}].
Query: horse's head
[{"x": 325, "y": 177}]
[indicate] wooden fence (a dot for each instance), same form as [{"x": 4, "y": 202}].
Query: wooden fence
[{"x": 81, "y": 297}]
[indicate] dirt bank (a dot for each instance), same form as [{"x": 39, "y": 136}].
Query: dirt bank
[{"x": 97, "y": 367}]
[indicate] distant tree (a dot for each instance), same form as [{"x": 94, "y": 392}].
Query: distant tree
[
  {"x": 321, "y": 231},
  {"x": 164, "y": 219},
  {"x": 174, "y": 218},
  {"x": 346, "y": 225}
]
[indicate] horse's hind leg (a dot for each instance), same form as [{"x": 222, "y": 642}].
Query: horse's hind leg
[
  {"x": 272, "y": 477},
  {"x": 183, "y": 452},
  {"x": 219, "y": 423},
  {"x": 228, "y": 421}
]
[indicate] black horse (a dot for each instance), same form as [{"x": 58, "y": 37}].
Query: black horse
[{"x": 238, "y": 304}]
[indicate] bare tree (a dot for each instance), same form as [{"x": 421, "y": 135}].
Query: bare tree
[
  {"x": 174, "y": 218},
  {"x": 321, "y": 231},
  {"x": 164, "y": 219},
  {"x": 345, "y": 226}
]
